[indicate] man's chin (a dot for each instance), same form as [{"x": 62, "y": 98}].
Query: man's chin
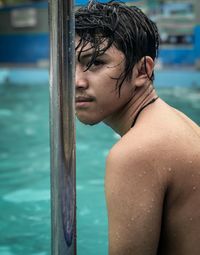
[{"x": 88, "y": 121}]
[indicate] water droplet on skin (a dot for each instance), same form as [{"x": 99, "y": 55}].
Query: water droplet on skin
[
  {"x": 194, "y": 188},
  {"x": 191, "y": 219},
  {"x": 117, "y": 235},
  {"x": 169, "y": 169},
  {"x": 190, "y": 162},
  {"x": 132, "y": 218}
]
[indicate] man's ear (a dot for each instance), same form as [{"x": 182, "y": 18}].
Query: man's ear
[{"x": 144, "y": 71}]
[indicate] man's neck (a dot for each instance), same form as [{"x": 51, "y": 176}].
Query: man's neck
[{"x": 122, "y": 121}]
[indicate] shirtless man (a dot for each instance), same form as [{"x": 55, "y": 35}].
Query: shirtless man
[{"x": 152, "y": 181}]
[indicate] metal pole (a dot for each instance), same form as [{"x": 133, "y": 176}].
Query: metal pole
[{"x": 62, "y": 131}]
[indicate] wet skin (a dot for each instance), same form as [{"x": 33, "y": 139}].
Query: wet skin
[{"x": 152, "y": 181}]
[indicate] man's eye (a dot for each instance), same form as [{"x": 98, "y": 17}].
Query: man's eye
[
  {"x": 95, "y": 64},
  {"x": 98, "y": 62}
]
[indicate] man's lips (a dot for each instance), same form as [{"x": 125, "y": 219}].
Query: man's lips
[{"x": 81, "y": 99}]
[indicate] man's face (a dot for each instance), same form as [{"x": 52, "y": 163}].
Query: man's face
[{"x": 97, "y": 98}]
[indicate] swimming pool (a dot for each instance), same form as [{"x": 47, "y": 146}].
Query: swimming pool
[{"x": 24, "y": 170}]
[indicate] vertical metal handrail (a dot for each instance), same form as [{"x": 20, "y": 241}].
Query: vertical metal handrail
[{"x": 62, "y": 131}]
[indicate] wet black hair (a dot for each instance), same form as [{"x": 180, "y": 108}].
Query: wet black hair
[{"x": 125, "y": 27}]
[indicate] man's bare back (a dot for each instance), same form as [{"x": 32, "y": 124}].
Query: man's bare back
[{"x": 152, "y": 185}]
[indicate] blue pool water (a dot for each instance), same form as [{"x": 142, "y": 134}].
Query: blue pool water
[{"x": 24, "y": 170}]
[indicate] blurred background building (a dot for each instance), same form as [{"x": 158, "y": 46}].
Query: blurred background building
[{"x": 24, "y": 36}]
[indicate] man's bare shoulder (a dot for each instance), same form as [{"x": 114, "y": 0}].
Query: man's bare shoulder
[
  {"x": 139, "y": 145},
  {"x": 135, "y": 155},
  {"x": 164, "y": 141}
]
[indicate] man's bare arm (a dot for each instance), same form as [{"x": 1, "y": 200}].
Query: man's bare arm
[{"x": 134, "y": 194}]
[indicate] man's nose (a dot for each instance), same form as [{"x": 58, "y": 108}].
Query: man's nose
[{"x": 81, "y": 81}]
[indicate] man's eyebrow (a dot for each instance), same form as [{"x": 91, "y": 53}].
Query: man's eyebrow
[
  {"x": 85, "y": 56},
  {"x": 89, "y": 55}
]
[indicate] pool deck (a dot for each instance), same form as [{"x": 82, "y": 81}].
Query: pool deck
[{"x": 165, "y": 77}]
